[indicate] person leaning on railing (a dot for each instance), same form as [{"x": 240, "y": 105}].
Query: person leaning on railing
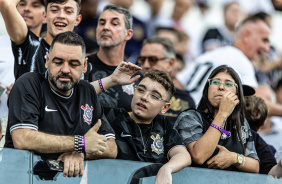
[{"x": 216, "y": 133}]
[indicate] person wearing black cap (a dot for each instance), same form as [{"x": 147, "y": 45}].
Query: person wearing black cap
[{"x": 216, "y": 134}]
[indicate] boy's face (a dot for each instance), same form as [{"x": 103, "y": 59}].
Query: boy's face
[
  {"x": 144, "y": 105},
  {"x": 62, "y": 17},
  {"x": 33, "y": 12}
]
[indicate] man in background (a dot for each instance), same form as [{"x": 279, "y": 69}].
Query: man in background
[
  {"x": 113, "y": 31},
  {"x": 158, "y": 53}
]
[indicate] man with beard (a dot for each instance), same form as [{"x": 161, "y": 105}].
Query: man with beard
[
  {"x": 58, "y": 116},
  {"x": 114, "y": 29}
]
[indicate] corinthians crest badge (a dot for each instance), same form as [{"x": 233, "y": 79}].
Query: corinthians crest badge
[
  {"x": 87, "y": 116},
  {"x": 158, "y": 144}
]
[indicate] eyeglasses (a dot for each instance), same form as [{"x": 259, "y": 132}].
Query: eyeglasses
[
  {"x": 152, "y": 59},
  {"x": 229, "y": 85},
  {"x": 153, "y": 97}
]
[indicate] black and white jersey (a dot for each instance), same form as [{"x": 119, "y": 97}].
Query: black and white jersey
[
  {"x": 30, "y": 56},
  {"x": 116, "y": 97},
  {"x": 157, "y": 138},
  {"x": 194, "y": 77},
  {"x": 33, "y": 104},
  {"x": 217, "y": 37}
]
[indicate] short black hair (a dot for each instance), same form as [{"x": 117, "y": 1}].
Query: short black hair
[
  {"x": 254, "y": 18},
  {"x": 69, "y": 38}
]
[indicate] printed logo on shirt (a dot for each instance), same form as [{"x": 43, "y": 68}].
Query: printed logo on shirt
[
  {"x": 125, "y": 135},
  {"x": 244, "y": 134},
  {"x": 49, "y": 110},
  {"x": 129, "y": 89},
  {"x": 87, "y": 116},
  {"x": 158, "y": 144}
]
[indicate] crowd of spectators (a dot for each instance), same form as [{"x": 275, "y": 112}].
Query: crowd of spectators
[{"x": 229, "y": 61}]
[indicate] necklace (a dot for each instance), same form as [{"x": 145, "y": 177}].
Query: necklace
[{"x": 144, "y": 144}]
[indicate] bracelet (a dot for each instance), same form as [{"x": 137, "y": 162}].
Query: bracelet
[
  {"x": 244, "y": 161},
  {"x": 83, "y": 144},
  {"x": 101, "y": 85},
  {"x": 220, "y": 129},
  {"x": 77, "y": 143}
]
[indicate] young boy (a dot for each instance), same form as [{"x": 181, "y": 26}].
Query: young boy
[{"x": 143, "y": 134}]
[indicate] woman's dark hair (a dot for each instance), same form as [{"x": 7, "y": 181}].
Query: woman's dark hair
[{"x": 235, "y": 117}]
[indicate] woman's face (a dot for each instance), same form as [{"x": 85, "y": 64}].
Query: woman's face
[{"x": 217, "y": 90}]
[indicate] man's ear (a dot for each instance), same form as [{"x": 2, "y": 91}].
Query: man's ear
[
  {"x": 246, "y": 35},
  {"x": 47, "y": 60},
  {"x": 78, "y": 19},
  {"x": 44, "y": 21},
  {"x": 165, "y": 108},
  {"x": 85, "y": 65},
  {"x": 129, "y": 35}
]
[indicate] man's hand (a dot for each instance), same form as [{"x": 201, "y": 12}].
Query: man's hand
[
  {"x": 9, "y": 89},
  {"x": 223, "y": 159},
  {"x": 164, "y": 176},
  {"x": 123, "y": 73},
  {"x": 73, "y": 164},
  {"x": 94, "y": 142}
]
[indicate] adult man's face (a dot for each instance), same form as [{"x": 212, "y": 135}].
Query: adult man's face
[
  {"x": 143, "y": 106},
  {"x": 65, "y": 65},
  {"x": 111, "y": 31},
  {"x": 33, "y": 12},
  {"x": 257, "y": 40},
  {"x": 156, "y": 50},
  {"x": 62, "y": 17}
]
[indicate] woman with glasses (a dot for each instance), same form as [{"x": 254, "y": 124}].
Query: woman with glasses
[{"x": 216, "y": 134}]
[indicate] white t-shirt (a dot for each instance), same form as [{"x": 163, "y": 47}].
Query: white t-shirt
[
  {"x": 6, "y": 71},
  {"x": 195, "y": 76}
]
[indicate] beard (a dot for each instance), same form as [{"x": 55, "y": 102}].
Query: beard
[
  {"x": 62, "y": 85},
  {"x": 108, "y": 43}
]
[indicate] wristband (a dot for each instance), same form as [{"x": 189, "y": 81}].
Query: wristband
[
  {"x": 77, "y": 143},
  {"x": 101, "y": 85},
  {"x": 83, "y": 144},
  {"x": 220, "y": 129}
]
